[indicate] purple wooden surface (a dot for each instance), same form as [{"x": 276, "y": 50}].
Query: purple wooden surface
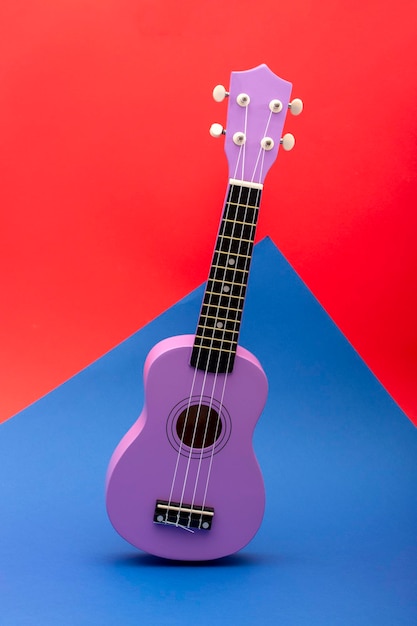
[
  {"x": 142, "y": 469},
  {"x": 250, "y": 162}
]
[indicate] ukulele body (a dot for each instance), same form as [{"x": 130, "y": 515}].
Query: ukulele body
[{"x": 154, "y": 463}]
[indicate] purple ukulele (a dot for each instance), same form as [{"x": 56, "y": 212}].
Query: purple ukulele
[{"x": 184, "y": 482}]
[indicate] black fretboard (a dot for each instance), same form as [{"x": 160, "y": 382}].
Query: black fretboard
[{"x": 218, "y": 327}]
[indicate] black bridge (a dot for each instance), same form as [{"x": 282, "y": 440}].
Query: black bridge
[{"x": 183, "y": 515}]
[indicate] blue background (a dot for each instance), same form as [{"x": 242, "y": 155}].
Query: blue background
[{"x": 338, "y": 543}]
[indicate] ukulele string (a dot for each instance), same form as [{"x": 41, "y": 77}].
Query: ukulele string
[
  {"x": 212, "y": 395},
  {"x": 189, "y": 404},
  {"x": 237, "y": 163},
  {"x": 184, "y": 428},
  {"x": 261, "y": 151},
  {"x": 243, "y": 152},
  {"x": 216, "y": 373},
  {"x": 246, "y": 267},
  {"x": 235, "y": 322},
  {"x": 197, "y": 417},
  {"x": 241, "y": 157},
  {"x": 214, "y": 279},
  {"x": 190, "y": 454},
  {"x": 180, "y": 449}
]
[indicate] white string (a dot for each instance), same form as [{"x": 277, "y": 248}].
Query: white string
[
  {"x": 216, "y": 373},
  {"x": 210, "y": 347},
  {"x": 236, "y": 322},
  {"x": 223, "y": 332},
  {"x": 247, "y": 264},
  {"x": 190, "y": 530},
  {"x": 208, "y": 304},
  {"x": 261, "y": 150},
  {"x": 241, "y": 156},
  {"x": 184, "y": 429},
  {"x": 245, "y": 130},
  {"x": 190, "y": 454},
  {"x": 219, "y": 249},
  {"x": 180, "y": 447},
  {"x": 238, "y": 160}
]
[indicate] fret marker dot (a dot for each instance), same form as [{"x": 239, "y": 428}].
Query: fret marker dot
[
  {"x": 226, "y": 288},
  {"x": 231, "y": 261},
  {"x": 219, "y": 324}
]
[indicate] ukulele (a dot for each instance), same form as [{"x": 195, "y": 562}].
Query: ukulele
[{"x": 184, "y": 482}]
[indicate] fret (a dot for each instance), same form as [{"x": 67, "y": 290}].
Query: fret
[
  {"x": 238, "y": 254},
  {"x": 213, "y": 343},
  {"x": 244, "y": 195},
  {"x": 222, "y": 281},
  {"x": 237, "y": 239},
  {"x": 212, "y": 361},
  {"x": 232, "y": 261},
  {"x": 217, "y": 317},
  {"x": 217, "y": 333},
  {"x": 227, "y": 287},
  {"x": 207, "y": 341},
  {"x": 218, "y": 349},
  {"x": 237, "y": 222},
  {"x": 229, "y": 269},
  {"x": 237, "y": 230},
  {"x": 224, "y": 308},
  {"x": 217, "y": 299},
  {"x": 239, "y": 204},
  {"x": 235, "y": 291},
  {"x": 229, "y": 330},
  {"x": 241, "y": 213},
  {"x": 234, "y": 246},
  {"x": 225, "y": 300},
  {"x": 226, "y": 321}
]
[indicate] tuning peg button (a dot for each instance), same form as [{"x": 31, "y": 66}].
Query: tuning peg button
[
  {"x": 239, "y": 138},
  {"x": 217, "y": 130},
  {"x": 267, "y": 143},
  {"x": 288, "y": 141},
  {"x": 275, "y": 105},
  {"x": 220, "y": 93},
  {"x": 243, "y": 100},
  {"x": 296, "y": 106}
]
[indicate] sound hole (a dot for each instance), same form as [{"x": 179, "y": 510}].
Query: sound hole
[{"x": 199, "y": 426}]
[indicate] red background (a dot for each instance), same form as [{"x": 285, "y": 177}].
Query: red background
[{"x": 111, "y": 187}]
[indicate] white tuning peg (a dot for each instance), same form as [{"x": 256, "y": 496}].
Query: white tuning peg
[
  {"x": 217, "y": 130},
  {"x": 296, "y": 106},
  {"x": 288, "y": 141},
  {"x": 220, "y": 93},
  {"x": 239, "y": 138}
]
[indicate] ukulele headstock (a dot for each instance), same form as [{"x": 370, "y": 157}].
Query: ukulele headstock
[{"x": 258, "y": 102}]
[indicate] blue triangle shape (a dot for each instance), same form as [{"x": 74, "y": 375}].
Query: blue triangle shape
[{"x": 339, "y": 458}]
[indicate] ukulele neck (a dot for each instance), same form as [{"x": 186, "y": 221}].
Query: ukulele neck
[{"x": 217, "y": 334}]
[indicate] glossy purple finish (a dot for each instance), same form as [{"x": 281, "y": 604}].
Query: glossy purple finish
[
  {"x": 250, "y": 162},
  {"x": 151, "y": 462},
  {"x": 143, "y": 465}
]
